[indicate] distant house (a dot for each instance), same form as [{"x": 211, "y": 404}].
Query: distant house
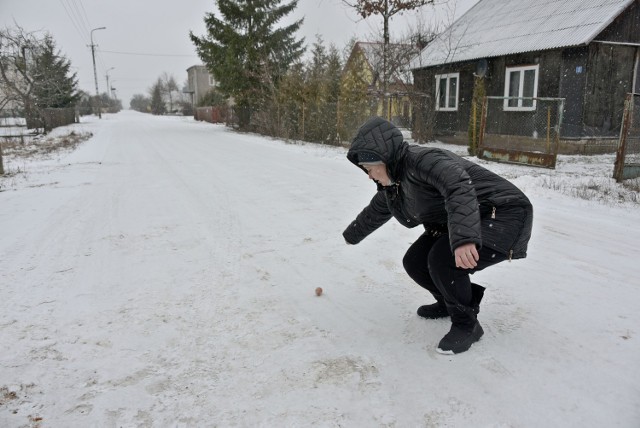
[
  {"x": 10, "y": 105},
  {"x": 364, "y": 69},
  {"x": 200, "y": 81},
  {"x": 585, "y": 51}
]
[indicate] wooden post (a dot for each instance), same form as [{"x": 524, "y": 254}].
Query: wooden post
[
  {"x": 474, "y": 142},
  {"x": 1, "y": 162},
  {"x": 338, "y": 121},
  {"x": 483, "y": 125},
  {"x": 548, "y": 129},
  {"x": 618, "y": 166},
  {"x": 302, "y": 121}
]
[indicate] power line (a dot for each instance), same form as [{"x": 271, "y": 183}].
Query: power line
[
  {"x": 147, "y": 54},
  {"x": 82, "y": 17},
  {"x": 74, "y": 8},
  {"x": 73, "y": 22},
  {"x": 84, "y": 13},
  {"x": 78, "y": 16}
]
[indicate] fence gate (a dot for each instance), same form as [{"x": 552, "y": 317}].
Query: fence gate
[
  {"x": 521, "y": 130},
  {"x": 627, "y": 164}
]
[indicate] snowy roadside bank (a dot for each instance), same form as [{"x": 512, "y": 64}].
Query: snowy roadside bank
[{"x": 163, "y": 274}]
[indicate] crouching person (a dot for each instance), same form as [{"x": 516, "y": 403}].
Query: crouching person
[{"x": 473, "y": 219}]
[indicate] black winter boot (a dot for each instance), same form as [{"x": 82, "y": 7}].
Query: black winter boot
[
  {"x": 460, "y": 338},
  {"x": 465, "y": 330},
  {"x": 433, "y": 311},
  {"x": 477, "y": 293}
]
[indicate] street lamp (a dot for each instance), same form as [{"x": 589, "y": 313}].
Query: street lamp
[
  {"x": 108, "y": 92},
  {"x": 113, "y": 90},
  {"x": 95, "y": 73}
]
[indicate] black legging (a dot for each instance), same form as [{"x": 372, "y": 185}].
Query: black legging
[{"x": 430, "y": 262}]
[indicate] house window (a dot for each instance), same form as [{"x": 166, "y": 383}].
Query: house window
[
  {"x": 447, "y": 91},
  {"x": 212, "y": 81},
  {"x": 521, "y": 82}
]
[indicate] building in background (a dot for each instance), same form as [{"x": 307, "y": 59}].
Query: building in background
[
  {"x": 200, "y": 82},
  {"x": 364, "y": 70},
  {"x": 585, "y": 52}
]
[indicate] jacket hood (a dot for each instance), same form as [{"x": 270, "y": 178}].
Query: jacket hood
[{"x": 382, "y": 138}]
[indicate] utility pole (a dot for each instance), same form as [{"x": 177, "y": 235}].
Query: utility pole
[
  {"x": 109, "y": 87},
  {"x": 95, "y": 73}
]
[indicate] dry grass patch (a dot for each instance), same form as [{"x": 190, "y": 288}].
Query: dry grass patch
[
  {"x": 42, "y": 146},
  {"x": 603, "y": 190}
]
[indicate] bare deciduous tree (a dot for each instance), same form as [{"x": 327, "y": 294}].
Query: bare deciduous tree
[
  {"x": 156, "y": 91},
  {"x": 34, "y": 75},
  {"x": 386, "y": 9},
  {"x": 16, "y": 51},
  {"x": 170, "y": 86}
]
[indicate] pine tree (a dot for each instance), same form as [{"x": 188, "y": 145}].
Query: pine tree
[
  {"x": 315, "y": 94},
  {"x": 289, "y": 103},
  {"x": 323, "y": 90},
  {"x": 333, "y": 73},
  {"x": 54, "y": 85},
  {"x": 245, "y": 51}
]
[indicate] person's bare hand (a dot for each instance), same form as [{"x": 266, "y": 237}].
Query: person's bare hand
[{"x": 466, "y": 256}]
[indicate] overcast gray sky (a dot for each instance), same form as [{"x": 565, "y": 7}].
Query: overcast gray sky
[{"x": 145, "y": 38}]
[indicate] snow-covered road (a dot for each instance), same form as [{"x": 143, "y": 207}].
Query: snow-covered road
[{"x": 163, "y": 275}]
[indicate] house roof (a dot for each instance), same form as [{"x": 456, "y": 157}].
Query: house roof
[{"x": 494, "y": 28}]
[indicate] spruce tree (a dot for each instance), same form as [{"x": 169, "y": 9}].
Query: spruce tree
[
  {"x": 315, "y": 99},
  {"x": 333, "y": 74},
  {"x": 323, "y": 90},
  {"x": 54, "y": 85},
  {"x": 245, "y": 51}
]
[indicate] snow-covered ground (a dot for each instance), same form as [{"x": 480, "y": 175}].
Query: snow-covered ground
[{"x": 163, "y": 275}]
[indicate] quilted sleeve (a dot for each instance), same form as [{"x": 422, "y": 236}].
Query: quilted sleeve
[{"x": 371, "y": 218}]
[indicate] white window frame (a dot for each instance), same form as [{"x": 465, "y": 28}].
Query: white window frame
[
  {"x": 447, "y": 77},
  {"x": 507, "y": 83},
  {"x": 212, "y": 81}
]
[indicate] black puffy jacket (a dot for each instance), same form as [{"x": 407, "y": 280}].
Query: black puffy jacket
[{"x": 443, "y": 192}]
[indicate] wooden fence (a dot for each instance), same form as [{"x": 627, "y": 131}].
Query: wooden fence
[
  {"x": 49, "y": 118},
  {"x": 211, "y": 114}
]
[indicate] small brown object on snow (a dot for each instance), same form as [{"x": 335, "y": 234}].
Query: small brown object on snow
[{"x": 318, "y": 291}]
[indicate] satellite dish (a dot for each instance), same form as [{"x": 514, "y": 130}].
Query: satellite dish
[{"x": 481, "y": 68}]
